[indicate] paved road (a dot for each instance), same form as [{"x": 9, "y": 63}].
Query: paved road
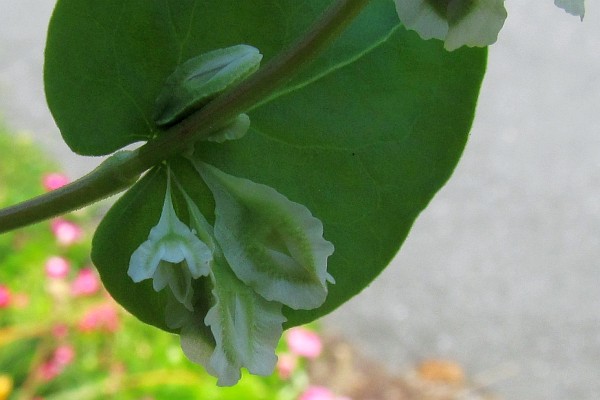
[
  {"x": 501, "y": 272},
  {"x": 23, "y": 26}
]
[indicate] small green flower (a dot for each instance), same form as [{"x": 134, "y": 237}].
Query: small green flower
[{"x": 172, "y": 256}]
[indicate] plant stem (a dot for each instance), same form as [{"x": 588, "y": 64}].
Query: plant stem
[{"x": 118, "y": 173}]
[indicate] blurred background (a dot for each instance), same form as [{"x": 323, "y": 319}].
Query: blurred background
[{"x": 500, "y": 273}]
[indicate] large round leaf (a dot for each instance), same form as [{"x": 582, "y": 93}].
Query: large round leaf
[
  {"x": 106, "y": 62},
  {"x": 363, "y": 138}
]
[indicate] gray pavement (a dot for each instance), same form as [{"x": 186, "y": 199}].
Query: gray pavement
[
  {"x": 23, "y": 25},
  {"x": 501, "y": 273}
]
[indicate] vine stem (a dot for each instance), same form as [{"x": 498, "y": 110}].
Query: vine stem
[{"x": 122, "y": 170}]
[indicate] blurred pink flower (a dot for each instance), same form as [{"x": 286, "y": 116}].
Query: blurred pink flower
[
  {"x": 57, "y": 267},
  {"x": 54, "y": 181},
  {"x": 304, "y": 342},
  {"x": 20, "y": 300},
  {"x": 62, "y": 356},
  {"x": 317, "y": 393},
  {"x": 66, "y": 232},
  {"x": 286, "y": 364},
  {"x": 60, "y": 331},
  {"x": 49, "y": 370},
  {"x": 5, "y": 296},
  {"x": 103, "y": 317},
  {"x": 86, "y": 283}
]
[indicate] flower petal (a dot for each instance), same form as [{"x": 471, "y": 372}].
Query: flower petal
[
  {"x": 197, "y": 343},
  {"x": 198, "y": 258},
  {"x": 246, "y": 328},
  {"x": 180, "y": 282},
  {"x": 573, "y": 7},
  {"x": 144, "y": 261},
  {"x": 173, "y": 255},
  {"x": 161, "y": 276},
  {"x": 456, "y": 22},
  {"x": 272, "y": 244},
  {"x": 236, "y": 129}
]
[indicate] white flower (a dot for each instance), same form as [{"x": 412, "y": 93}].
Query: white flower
[
  {"x": 173, "y": 255},
  {"x": 456, "y": 22},
  {"x": 274, "y": 245}
]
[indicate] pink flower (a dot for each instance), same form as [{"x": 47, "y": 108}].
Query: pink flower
[
  {"x": 57, "y": 267},
  {"x": 5, "y": 296},
  {"x": 86, "y": 283},
  {"x": 286, "y": 364},
  {"x": 60, "y": 331},
  {"x": 103, "y": 317},
  {"x": 49, "y": 370},
  {"x": 62, "y": 356},
  {"x": 317, "y": 393},
  {"x": 54, "y": 181},
  {"x": 66, "y": 232},
  {"x": 304, "y": 342}
]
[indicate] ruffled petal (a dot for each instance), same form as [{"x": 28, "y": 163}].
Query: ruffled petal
[
  {"x": 273, "y": 245},
  {"x": 172, "y": 256},
  {"x": 144, "y": 261}
]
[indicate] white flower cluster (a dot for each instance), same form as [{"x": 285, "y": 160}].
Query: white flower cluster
[{"x": 263, "y": 252}]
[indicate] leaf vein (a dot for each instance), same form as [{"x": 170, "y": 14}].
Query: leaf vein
[{"x": 343, "y": 63}]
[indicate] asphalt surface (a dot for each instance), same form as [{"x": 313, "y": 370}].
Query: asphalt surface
[{"x": 501, "y": 273}]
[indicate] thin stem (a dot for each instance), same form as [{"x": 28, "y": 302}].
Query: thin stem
[{"x": 118, "y": 173}]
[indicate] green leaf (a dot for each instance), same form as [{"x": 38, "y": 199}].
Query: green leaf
[
  {"x": 273, "y": 245},
  {"x": 456, "y": 22},
  {"x": 363, "y": 139},
  {"x": 101, "y": 87},
  {"x": 364, "y": 149}
]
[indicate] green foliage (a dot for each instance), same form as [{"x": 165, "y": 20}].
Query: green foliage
[
  {"x": 21, "y": 147},
  {"x": 16, "y": 185}
]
